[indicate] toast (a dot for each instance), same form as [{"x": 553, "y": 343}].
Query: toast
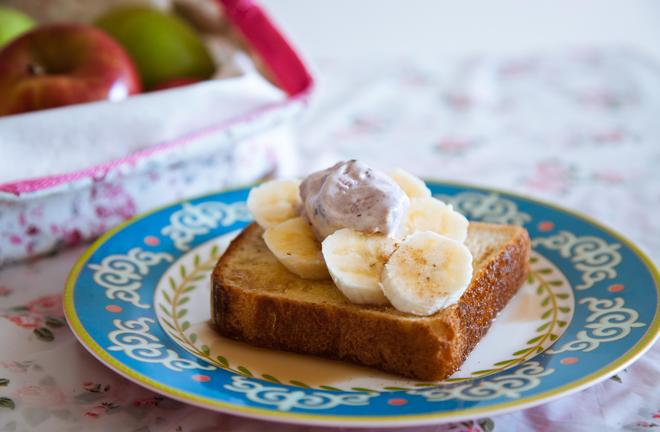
[{"x": 255, "y": 299}]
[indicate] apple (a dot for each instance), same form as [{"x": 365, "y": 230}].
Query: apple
[
  {"x": 176, "y": 82},
  {"x": 164, "y": 47},
  {"x": 61, "y": 64},
  {"x": 12, "y": 24}
]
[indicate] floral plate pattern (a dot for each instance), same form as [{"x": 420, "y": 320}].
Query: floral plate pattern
[{"x": 138, "y": 301}]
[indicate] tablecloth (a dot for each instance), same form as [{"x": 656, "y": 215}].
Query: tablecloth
[{"x": 579, "y": 127}]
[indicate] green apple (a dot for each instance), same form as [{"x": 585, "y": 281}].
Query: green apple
[
  {"x": 162, "y": 46},
  {"x": 12, "y": 24}
]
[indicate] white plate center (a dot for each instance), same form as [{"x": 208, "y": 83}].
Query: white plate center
[{"x": 529, "y": 324}]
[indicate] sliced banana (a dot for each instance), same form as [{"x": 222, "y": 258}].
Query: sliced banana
[
  {"x": 413, "y": 186},
  {"x": 295, "y": 246},
  {"x": 426, "y": 273},
  {"x": 355, "y": 261},
  {"x": 274, "y": 202},
  {"x": 430, "y": 214}
]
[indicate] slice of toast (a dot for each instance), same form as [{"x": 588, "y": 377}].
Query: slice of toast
[{"x": 255, "y": 299}]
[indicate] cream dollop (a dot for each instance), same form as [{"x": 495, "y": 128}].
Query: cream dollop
[{"x": 352, "y": 195}]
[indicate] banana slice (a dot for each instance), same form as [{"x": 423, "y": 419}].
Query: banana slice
[
  {"x": 355, "y": 261},
  {"x": 430, "y": 214},
  {"x": 295, "y": 246},
  {"x": 426, "y": 273},
  {"x": 274, "y": 201},
  {"x": 413, "y": 186}
]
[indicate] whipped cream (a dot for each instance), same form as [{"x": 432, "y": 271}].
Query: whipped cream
[{"x": 352, "y": 195}]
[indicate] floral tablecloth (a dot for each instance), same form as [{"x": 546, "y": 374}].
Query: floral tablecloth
[{"x": 580, "y": 128}]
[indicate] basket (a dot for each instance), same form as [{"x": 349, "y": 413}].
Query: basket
[{"x": 249, "y": 138}]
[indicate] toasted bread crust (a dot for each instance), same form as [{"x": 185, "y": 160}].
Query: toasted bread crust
[{"x": 425, "y": 348}]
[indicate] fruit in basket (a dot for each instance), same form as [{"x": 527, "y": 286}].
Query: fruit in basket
[
  {"x": 62, "y": 64},
  {"x": 12, "y": 24},
  {"x": 163, "y": 46}
]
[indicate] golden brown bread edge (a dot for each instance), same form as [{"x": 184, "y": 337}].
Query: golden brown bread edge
[{"x": 424, "y": 348}]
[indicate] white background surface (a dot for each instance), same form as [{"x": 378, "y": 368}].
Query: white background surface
[{"x": 374, "y": 29}]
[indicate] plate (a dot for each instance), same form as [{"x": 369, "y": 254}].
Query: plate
[{"x": 138, "y": 300}]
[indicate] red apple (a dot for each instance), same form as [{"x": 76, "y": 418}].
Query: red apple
[
  {"x": 176, "y": 82},
  {"x": 62, "y": 64}
]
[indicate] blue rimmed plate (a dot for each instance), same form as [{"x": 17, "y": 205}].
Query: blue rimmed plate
[{"x": 138, "y": 300}]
